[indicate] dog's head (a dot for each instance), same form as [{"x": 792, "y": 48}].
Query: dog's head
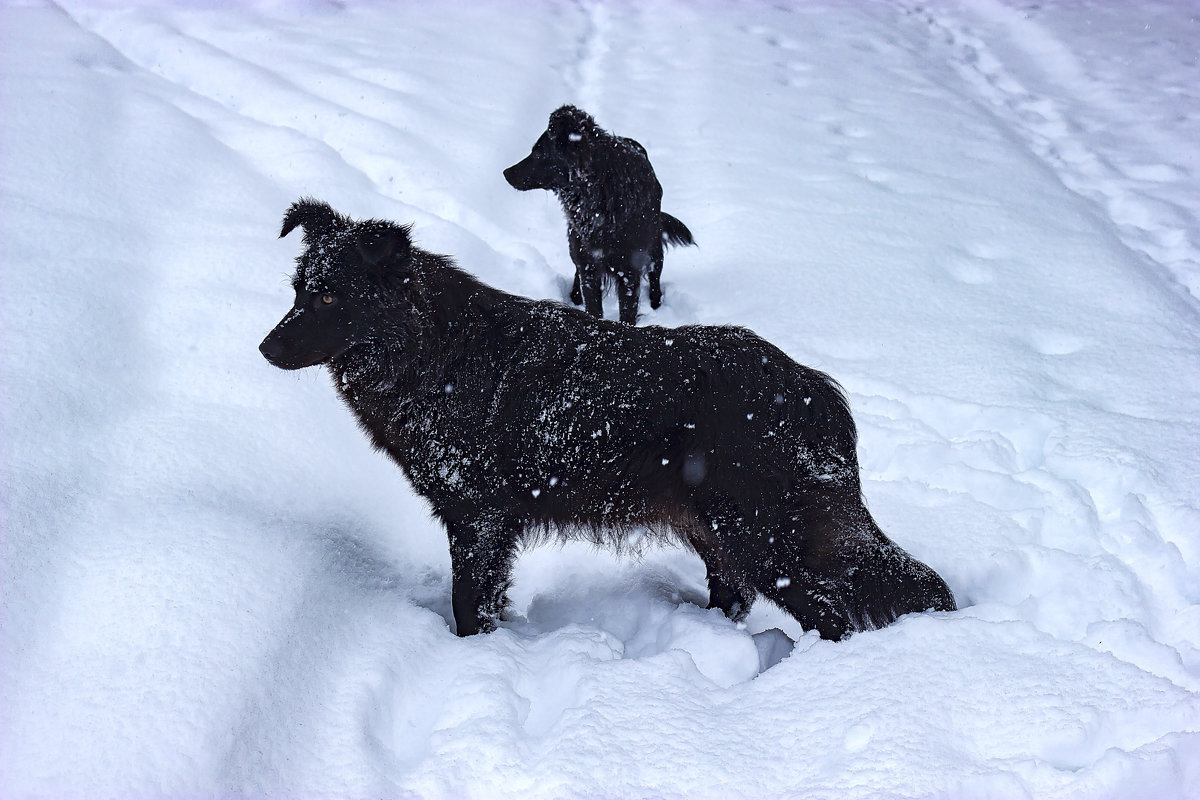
[
  {"x": 340, "y": 278},
  {"x": 564, "y": 148}
]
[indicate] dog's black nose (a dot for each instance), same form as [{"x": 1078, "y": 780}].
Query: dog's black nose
[{"x": 271, "y": 349}]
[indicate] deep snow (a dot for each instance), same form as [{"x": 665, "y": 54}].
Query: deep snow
[{"x": 981, "y": 218}]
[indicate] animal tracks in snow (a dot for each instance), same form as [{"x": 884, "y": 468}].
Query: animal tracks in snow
[
  {"x": 1048, "y": 96},
  {"x": 790, "y": 70}
]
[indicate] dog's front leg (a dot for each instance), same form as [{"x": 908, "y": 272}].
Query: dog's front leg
[
  {"x": 589, "y": 284},
  {"x": 653, "y": 274},
  {"x": 576, "y": 294},
  {"x": 629, "y": 281},
  {"x": 481, "y": 554}
]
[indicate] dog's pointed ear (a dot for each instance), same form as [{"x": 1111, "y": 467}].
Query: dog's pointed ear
[
  {"x": 314, "y": 216},
  {"x": 386, "y": 250}
]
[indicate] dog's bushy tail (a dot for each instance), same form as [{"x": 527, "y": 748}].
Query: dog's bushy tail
[
  {"x": 675, "y": 232},
  {"x": 850, "y": 576}
]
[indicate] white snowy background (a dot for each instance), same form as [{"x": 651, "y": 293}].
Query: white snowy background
[{"x": 982, "y": 217}]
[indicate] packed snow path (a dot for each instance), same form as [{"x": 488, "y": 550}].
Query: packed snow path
[{"x": 981, "y": 218}]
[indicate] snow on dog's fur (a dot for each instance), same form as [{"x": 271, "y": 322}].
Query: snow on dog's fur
[
  {"x": 517, "y": 418},
  {"x": 611, "y": 197}
]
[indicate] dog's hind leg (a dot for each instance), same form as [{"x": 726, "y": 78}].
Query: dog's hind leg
[
  {"x": 817, "y": 604},
  {"x": 481, "y": 556},
  {"x": 771, "y": 563}
]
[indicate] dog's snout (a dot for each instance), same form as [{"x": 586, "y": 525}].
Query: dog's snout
[{"x": 520, "y": 176}]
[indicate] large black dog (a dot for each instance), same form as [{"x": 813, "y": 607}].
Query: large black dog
[
  {"x": 611, "y": 198},
  {"x": 516, "y": 418}
]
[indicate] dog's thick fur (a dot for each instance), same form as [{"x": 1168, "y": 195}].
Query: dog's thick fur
[
  {"x": 611, "y": 198},
  {"x": 516, "y": 418}
]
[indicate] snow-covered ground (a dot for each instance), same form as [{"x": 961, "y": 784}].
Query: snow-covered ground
[{"x": 982, "y": 217}]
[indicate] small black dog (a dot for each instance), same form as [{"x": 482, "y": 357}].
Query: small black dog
[
  {"x": 516, "y": 418},
  {"x": 611, "y": 198}
]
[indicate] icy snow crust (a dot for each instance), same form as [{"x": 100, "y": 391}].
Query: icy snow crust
[{"x": 980, "y": 218}]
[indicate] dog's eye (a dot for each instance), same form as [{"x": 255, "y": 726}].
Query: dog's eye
[
  {"x": 327, "y": 299},
  {"x": 324, "y": 300}
]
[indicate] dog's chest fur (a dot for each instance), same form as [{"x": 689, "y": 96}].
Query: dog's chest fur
[
  {"x": 609, "y": 198},
  {"x": 439, "y": 439}
]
